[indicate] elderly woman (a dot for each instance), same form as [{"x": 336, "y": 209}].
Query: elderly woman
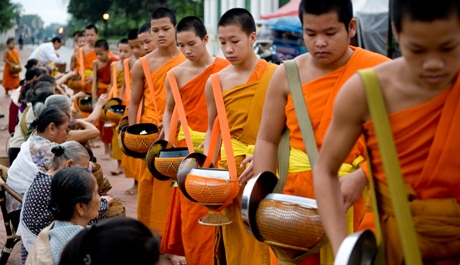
[
  {"x": 35, "y": 155},
  {"x": 35, "y": 215},
  {"x": 74, "y": 202}
]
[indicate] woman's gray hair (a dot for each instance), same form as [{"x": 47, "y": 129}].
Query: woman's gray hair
[
  {"x": 61, "y": 101},
  {"x": 66, "y": 151}
]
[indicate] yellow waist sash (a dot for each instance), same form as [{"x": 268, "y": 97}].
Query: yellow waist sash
[
  {"x": 239, "y": 149},
  {"x": 197, "y": 138}
]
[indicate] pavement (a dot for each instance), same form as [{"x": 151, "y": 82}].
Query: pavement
[{"x": 119, "y": 183}]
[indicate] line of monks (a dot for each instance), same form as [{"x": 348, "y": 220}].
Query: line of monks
[{"x": 259, "y": 105}]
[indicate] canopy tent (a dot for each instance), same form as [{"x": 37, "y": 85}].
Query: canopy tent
[
  {"x": 287, "y": 23},
  {"x": 289, "y": 9}
]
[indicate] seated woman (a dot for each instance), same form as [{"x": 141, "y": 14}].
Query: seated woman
[
  {"x": 35, "y": 155},
  {"x": 35, "y": 215},
  {"x": 74, "y": 202},
  {"x": 115, "y": 241}
]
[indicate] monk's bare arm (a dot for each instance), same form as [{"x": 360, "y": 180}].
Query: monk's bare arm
[
  {"x": 137, "y": 89},
  {"x": 212, "y": 113},
  {"x": 170, "y": 104},
  {"x": 5, "y": 56},
  {"x": 272, "y": 124},
  {"x": 73, "y": 62},
  {"x": 350, "y": 108}
]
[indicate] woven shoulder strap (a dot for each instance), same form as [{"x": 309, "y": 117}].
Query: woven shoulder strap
[
  {"x": 387, "y": 148},
  {"x": 127, "y": 75},
  {"x": 114, "y": 85},
  {"x": 146, "y": 69},
  {"x": 14, "y": 58},
  {"x": 226, "y": 138},
  {"x": 81, "y": 70}
]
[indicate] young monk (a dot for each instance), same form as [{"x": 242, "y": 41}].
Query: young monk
[
  {"x": 10, "y": 80},
  {"x": 103, "y": 78},
  {"x": 89, "y": 56},
  {"x": 243, "y": 84},
  {"x": 117, "y": 83},
  {"x": 328, "y": 26},
  {"x": 145, "y": 38},
  {"x": 184, "y": 236},
  {"x": 154, "y": 196},
  {"x": 421, "y": 91},
  {"x": 130, "y": 165},
  {"x": 80, "y": 43}
]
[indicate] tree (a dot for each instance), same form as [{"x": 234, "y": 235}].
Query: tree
[
  {"x": 89, "y": 10},
  {"x": 9, "y": 14}
]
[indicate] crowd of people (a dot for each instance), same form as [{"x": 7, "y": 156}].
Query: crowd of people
[{"x": 163, "y": 71}]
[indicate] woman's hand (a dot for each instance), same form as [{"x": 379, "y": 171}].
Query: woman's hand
[{"x": 109, "y": 199}]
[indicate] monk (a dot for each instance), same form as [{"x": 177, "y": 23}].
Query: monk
[
  {"x": 80, "y": 43},
  {"x": 154, "y": 196},
  {"x": 243, "y": 85},
  {"x": 328, "y": 27},
  {"x": 117, "y": 83},
  {"x": 103, "y": 72},
  {"x": 184, "y": 236},
  {"x": 421, "y": 91},
  {"x": 130, "y": 165},
  {"x": 10, "y": 80}
]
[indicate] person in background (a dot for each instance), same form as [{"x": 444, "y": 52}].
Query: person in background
[
  {"x": 74, "y": 202},
  {"x": 46, "y": 53},
  {"x": 10, "y": 79},
  {"x": 108, "y": 242}
]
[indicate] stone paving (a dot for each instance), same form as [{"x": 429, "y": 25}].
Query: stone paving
[{"x": 119, "y": 183}]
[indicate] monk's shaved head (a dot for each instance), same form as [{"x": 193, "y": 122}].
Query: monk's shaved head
[
  {"x": 102, "y": 44},
  {"x": 164, "y": 13},
  {"x": 422, "y": 10},
  {"x": 144, "y": 28},
  {"x": 343, "y": 8},
  {"x": 238, "y": 17},
  {"x": 132, "y": 34},
  {"x": 194, "y": 24}
]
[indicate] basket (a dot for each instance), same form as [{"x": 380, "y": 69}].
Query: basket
[
  {"x": 168, "y": 166},
  {"x": 136, "y": 141},
  {"x": 115, "y": 112},
  {"x": 15, "y": 69},
  {"x": 116, "y": 209},
  {"x": 107, "y": 105},
  {"x": 288, "y": 224},
  {"x": 164, "y": 162},
  {"x": 61, "y": 67},
  {"x": 85, "y": 104},
  {"x": 207, "y": 190},
  {"x": 75, "y": 84},
  {"x": 97, "y": 173}
]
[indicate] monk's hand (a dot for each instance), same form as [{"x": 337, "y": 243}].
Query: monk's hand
[
  {"x": 161, "y": 134},
  {"x": 201, "y": 145},
  {"x": 89, "y": 79},
  {"x": 352, "y": 186},
  {"x": 248, "y": 172}
]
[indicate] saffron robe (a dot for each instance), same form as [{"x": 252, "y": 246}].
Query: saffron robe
[
  {"x": 9, "y": 80},
  {"x": 183, "y": 235},
  {"x": 154, "y": 196},
  {"x": 427, "y": 143},
  {"x": 240, "y": 246},
  {"x": 319, "y": 96}
]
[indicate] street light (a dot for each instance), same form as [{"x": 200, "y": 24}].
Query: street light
[
  {"x": 106, "y": 17},
  {"x": 61, "y": 30}
]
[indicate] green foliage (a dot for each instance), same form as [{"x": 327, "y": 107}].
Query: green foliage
[
  {"x": 89, "y": 10},
  {"x": 9, "y": 14}
]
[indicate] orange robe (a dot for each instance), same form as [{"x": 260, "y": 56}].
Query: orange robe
[
  {"x": 240, "y": 246},
  {"x": 427, "y": 142},
  {"x": 154, "y": 196},
  {"x": 129, "y": 164},
  {"x": 9, "y": 80},
  {"x": 183, "y": 235},
  {"x": 103, "y": 82},
  {"x": 319, "y": 96}
]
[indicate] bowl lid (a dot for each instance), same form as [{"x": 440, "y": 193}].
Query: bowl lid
[{"x": 357, "y": 248}]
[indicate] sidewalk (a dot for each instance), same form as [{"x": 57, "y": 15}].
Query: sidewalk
[{"x": 119, "y": 183}]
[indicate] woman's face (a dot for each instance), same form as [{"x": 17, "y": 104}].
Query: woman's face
[
  {"x": 62, "y": 132},
  {"x": 92, "y": 209}
]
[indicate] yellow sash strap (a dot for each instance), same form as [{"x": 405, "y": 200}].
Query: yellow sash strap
[
  {"x": 239, "y": 149},
  {"x": 197, "y": 138},
  {"x": 299, "y": 162}
]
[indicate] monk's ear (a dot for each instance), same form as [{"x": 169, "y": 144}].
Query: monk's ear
[
  {"x": 253, "y": 37},
  {"x": 205, "y": 39},
  {"x": 352, "y": 27},
  {"x": 395, "y": 32}
]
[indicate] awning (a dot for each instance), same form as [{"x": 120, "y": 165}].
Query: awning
[{"x": 289, "y": 9}]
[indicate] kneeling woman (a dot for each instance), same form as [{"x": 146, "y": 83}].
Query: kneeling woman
[
  {"x": 74, "y": 202},
  {"x": 35, "y": 213}
]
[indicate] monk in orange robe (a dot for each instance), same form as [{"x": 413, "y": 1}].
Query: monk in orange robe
[
  {"x": 74, "y": 60},
  {"x": 103, "y": 79},
  {"x": 423, "y": 110},
  {"x": 117, "y": 82},
  {"x": 243, "y": 84},
  {"x": 154, "y": 196},
  {"x": 322, "y": 72},
  {"x": 184, "y": 236},
  {"x": 10, "y": 58},
  {"x": 130, "y": 165}
]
